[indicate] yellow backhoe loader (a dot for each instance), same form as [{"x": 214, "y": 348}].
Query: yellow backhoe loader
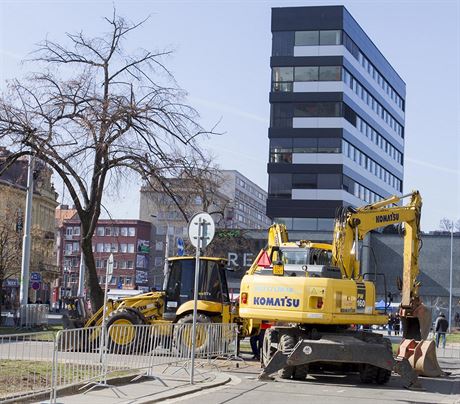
[
  {"x": 173, "y": 305},
  {"x": 312, "y": 294}
]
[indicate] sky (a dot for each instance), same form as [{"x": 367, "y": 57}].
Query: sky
[{"x": 221, "y": 58}]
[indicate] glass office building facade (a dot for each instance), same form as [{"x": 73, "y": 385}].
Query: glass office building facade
[{"x": 336, "y": 121}]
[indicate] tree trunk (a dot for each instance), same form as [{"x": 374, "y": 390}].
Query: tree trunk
[{"x": 95, "y": 293}]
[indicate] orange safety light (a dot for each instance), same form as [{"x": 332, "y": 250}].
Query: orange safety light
[
  {"x": 319, "y": 303},
  {"x": 244, "y": 298}
]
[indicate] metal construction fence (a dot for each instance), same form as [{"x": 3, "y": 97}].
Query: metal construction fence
[
  {"x": 47, "y": 363},
  {"x": 34, "y": 315}
]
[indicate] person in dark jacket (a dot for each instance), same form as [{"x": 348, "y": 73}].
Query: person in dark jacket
[{"x": 441, "y": 326}]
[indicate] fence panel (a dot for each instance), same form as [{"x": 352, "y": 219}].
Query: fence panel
[
  {"x": 34, "y": 315},
  {"x": 43, "y": 362},
  {"x": 25, "y": 364}
]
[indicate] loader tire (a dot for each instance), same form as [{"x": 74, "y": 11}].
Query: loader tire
[
  {"x": 183, "y": 335},
  {"x": 287, "y": 343},
  {"x": 267, "y": 350},
  {"x": 122, "y": 338}
]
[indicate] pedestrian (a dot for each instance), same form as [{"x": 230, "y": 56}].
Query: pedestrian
[
  {"x": 440, "y": 327},
  {"x": 256, "y": 342},
  {"x": 457, "y": 319},
  {"x": 391, "y": 320},
  {"x": 397, "y": 324}
]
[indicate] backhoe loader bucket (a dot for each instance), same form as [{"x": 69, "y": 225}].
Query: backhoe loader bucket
[{"x": 421, "y": 356}]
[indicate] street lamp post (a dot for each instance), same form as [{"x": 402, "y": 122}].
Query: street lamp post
[{"x": 450, "y": 274}]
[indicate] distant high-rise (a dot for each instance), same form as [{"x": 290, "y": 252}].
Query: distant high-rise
[{"x": 337, "y": 118}]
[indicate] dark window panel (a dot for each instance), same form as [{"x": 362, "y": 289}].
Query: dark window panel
[
  {"x": 306, "y": 73},
  {"x": 283, "y": 43},
  {"x": 304, "y": 181}
]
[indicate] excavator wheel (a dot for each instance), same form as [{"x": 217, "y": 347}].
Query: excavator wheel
[
  {"x": 287, "y": 343},
  {"x": 300, "y": 372},
  {"x": 373, "y": 374},
  {"x": 368, "y": 373},
  {"x": 183, "y": 335},
  {"x": 267, "y": 350},
  {"x": 122, "y": 338}
]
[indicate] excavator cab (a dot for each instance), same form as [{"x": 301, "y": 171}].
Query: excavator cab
[{"x": 179, "y": 286}]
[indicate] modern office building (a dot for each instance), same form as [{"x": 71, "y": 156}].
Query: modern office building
[
  {"x": 337, "y": 118},
  {"x": 234, "y": 201}
]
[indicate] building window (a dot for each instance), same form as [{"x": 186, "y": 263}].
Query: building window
[
  {"x": 130, "y": 264},
  {"x": 69, "y": 231},
  {"x": 280, "y": 150},
  {"x": 76, "y": 246},
  {"x": 99, "y": 231},
  {"x": 306, "y": 38},
  {"x": 330, "y": 73},
  {"x": 159, "y": 246},
  {"x": 115, "y": 231},
  {"x": 280, "y": 185},
  {"x": 330, "y": 37},
  {"x": 108, "y": 231},
  {"x": 124, "y": 231},
  {"x": 131, "y": 231},
  {"x": 107, "y": 247},
  {"x": 130, "y": 248},
  {"x": 122, "y": 264},
  {"x": 76, "y": 231},
  {"x": 114, "y": 247},
  {"x": 100, "y": 247},
  {"x": 158, "y": 261},
  {"x": 123, "y": 247},
  {"x": 306, "y": 73}
]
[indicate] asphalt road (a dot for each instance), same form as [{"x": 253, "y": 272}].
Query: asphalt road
[{"x": 245, "y": 388}]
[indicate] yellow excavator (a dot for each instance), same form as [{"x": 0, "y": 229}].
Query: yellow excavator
[
  {"x": 314, "y": 293},
  {"x": 173, "y": 305}
]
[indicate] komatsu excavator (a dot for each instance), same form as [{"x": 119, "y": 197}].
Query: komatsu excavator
[{"x": 312, "y": 293}]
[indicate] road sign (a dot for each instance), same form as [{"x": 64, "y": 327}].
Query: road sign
[
  {"x": 109, "y": 272},
  {"x": 180, "y": 247},
  {"x": 35, "y": 277},
  {"x": 35, "y": 285},
  {"x": 206, "y": 223}
]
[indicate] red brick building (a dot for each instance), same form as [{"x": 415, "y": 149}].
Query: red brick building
[{"x": 128, "y": 240}]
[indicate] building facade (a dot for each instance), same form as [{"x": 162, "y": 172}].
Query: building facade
[
  {"x": 128, "y": 241},
  {"x": 337, "y": 118},
  {"x": 43, "y": 269},
  {"x": 248, "y": 202},
  {"x": 234, "y": 201}
]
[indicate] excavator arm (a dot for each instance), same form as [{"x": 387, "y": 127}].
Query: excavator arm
[{"x": 352, "y": 226}]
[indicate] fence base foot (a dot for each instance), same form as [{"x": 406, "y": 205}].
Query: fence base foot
[
  {"x": 150, "y": 376},
  {"x": 115, "y": 389}
]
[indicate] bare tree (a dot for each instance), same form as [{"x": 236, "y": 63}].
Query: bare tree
[
  {"x": 446, "y": 224},
  {"x": 195, "y": 185},
  {"x": 95, "y": 114},
  {"x": 10, "y": 245}
]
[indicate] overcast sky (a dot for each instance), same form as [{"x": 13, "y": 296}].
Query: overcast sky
[{"x": 222, "y": 51}]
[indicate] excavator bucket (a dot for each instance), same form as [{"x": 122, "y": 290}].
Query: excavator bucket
[
  {"x": 421, "y": 356},
  {"x": 423, "y": 315}
]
